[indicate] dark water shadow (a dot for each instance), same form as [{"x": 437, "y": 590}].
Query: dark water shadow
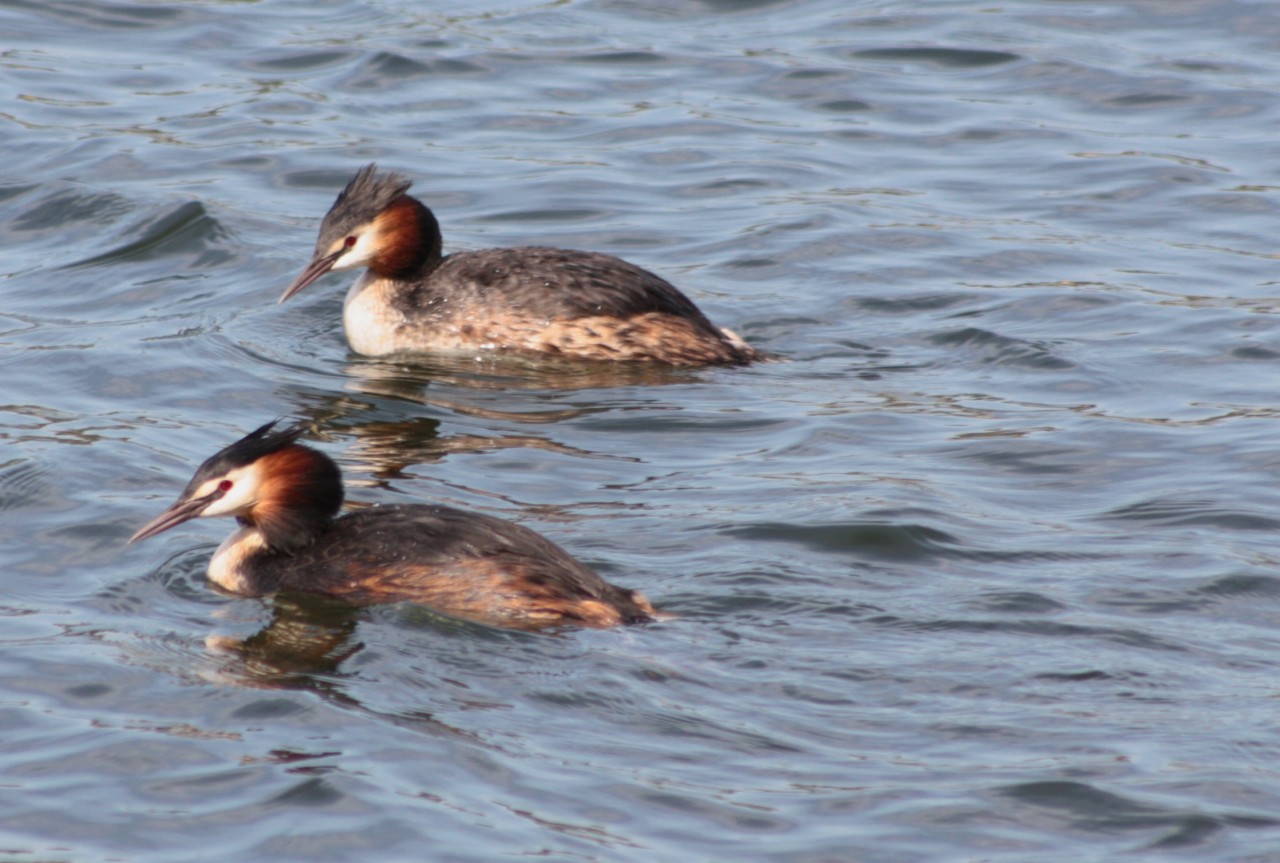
[
  {"x": 384, "y": 443},
  {"x": 395, "y": 408},
  {"x": 406, "y": 376},
  {"x": 312, "y": 644},
  {"x": 1073, "y": 806},
  {"x": 307, "y": 645}
]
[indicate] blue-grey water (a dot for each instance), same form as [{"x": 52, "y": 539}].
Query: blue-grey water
[{"x": 987, "y": 569}]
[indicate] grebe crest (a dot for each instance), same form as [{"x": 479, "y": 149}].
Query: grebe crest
[
  {"x": 584, "y": 305},
  {"x": 286, "y": 496}
]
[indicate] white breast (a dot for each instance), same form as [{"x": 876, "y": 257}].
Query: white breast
[
  {"x": 371, "y": 322},
  {"x": 226, "y": 567}
]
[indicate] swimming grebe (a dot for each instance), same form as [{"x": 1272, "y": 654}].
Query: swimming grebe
[
  {"x": 286, "y": 497},
  {"x": 555, "y": 301}
]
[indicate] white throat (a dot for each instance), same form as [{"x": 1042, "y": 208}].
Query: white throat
[
  {"x": 370, "y": 320},
  {"x": 226, "y": 567}
]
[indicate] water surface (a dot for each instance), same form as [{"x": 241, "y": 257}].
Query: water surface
[{"x": 986, "y": 569}]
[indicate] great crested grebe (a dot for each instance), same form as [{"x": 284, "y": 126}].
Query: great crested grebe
[
  {"x": 286, "y": 496},
  {"x": 575, "y": 304}
]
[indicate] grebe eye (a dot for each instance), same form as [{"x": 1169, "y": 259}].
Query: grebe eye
[
  {"x": 349, "y": 242},
  {"x": 225, "y": 485}
]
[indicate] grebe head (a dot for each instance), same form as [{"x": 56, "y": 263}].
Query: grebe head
[
  {"x": 374, "y": 224},
  {"x": 267, "y": 480}
]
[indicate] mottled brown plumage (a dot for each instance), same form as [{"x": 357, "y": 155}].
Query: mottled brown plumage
[
  {"x": 532, "y": 299},
  {"x": 285, "y": 497}
]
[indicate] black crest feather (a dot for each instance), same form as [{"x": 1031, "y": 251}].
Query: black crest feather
[
  {"x": 367, "y": 195},
  {"x": 260, "y": 442}
]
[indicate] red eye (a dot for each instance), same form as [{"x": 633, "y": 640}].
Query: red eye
[
  {"x": 349, "y": 242},
  {"x": 225, "y": 485}
]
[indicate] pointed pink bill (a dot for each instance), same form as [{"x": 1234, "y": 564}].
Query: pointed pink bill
[
  {"x": 183, "y": 510},
  {"x": 317, "y": 268}
]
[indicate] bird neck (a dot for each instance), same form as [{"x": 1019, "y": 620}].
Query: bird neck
[
  {"x": 299, "y": 500},
  {"x": 232, "y": 566},
  {"x": 411, "y": 245}
]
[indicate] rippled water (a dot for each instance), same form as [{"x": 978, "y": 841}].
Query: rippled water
[{"x": 986, "y": 569}]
